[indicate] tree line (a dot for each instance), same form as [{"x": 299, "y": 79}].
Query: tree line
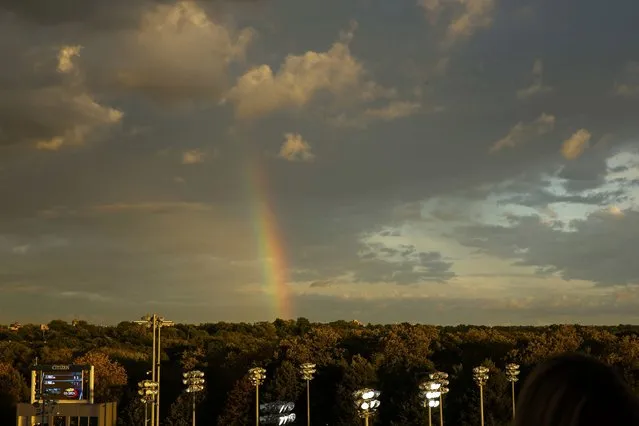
[{"x": 392, "y": 358}]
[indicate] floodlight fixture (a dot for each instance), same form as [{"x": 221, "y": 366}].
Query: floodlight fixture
[
  {"x": 441, "y": 378},
  {"x": 367, "y": 402},
  {"x": 480, "y": 375},
  {"x": 430, "y": 394},
  {"x": 155, "y": 323},
  {"x": 308, "y": 370},
  {"x": 257, "y": 375},
  {"x": 194, "y": 382},
  {"x": 512, "y": 375},
  {"x": 147, "y": 390},
  {"x": 148, "y": 384}
]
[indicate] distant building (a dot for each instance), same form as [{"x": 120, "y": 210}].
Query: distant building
[
  {"x": 361, "y": 324},
  {"x": 15, "y": 326}
]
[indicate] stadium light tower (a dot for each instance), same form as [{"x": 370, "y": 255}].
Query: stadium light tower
[
  {"x": 429, "y": 392},
  {"x": 308, "y": 370},
  {"x": 155, "y": 323},
  {"x": 367, "y": 403},
  {"x": 480, "y": 375},
  {"x": 512, "y": 375},
  {"x": 194, "y": 381},
  {"x": 257, "y": 376},
  {"x": 441, "y": 378},
  {"x": 147, "y": 391}
]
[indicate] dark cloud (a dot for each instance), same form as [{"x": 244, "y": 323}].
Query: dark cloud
[
  {"x": 598, "y": 248},
  {"x": 128, "y": 227},
  {"x": 460, "y": 310},
  {"x": 334, "y": 248},
  {"x": 91, "y": 13},
  {"x": 95, "y": 15},
  {"x": 587, "y": 172},
  {"x": 43, "y": 98},
  {"x": 541, "y": 197},
  {"x": 402, "y": 265}
]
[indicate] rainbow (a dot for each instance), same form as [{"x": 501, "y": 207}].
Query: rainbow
[{"x": 271, "y": 250}]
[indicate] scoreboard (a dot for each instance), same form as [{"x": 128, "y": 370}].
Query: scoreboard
[{"x": 62, "y": 383}]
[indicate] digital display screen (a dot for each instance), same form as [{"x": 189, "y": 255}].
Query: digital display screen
[{"x": 62, "y": 385}]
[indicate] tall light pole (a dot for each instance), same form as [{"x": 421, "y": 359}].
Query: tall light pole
[
  {"x": 257, "y": 376},
  {"x": 194, "y": 381},
  {"x": 161, "y": 322},
  {"x": 480, "y": 375},
  {"x": 308, "y": 370},
  {"x": 512, "y": 375},
  {"x": 441, "y": 378},
  {"x": 155, "y": 323},
  {"x": 150, "y": 321},
  {"x": 367, "y": 402},
  {"x": 429, "y": 392},
  {"x": 147, "y": 391}
]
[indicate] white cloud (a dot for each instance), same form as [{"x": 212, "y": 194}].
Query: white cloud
[
  {"x": 295, "y": 148},
  {"x": 523, "y": 132},
  {"x": 178, "y": 53},
  {"x": 300, "y": 79},
  {"x": 65, "y": 58},
  {"x": 90, "y": 115},
  {"x": 574, "y": 146}
]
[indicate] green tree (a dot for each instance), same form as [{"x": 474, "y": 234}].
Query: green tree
[
  {"x": 181, "y": 411},
  {"x": 131, "y": 411},
  {"x": 286, "y": 383},
  {"x": 110, "y": 376},
  {"x": 358, "y": 374},
  {"x": 13, "y": 389},
  {"x": 239, "y": 407},
  {"x": 16, "y": 353}
]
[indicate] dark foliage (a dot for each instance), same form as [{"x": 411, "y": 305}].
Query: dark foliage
[{"x": 392, "y": 358}]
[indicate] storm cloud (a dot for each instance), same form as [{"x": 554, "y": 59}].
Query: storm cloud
[{"x": 380, "y": 157}]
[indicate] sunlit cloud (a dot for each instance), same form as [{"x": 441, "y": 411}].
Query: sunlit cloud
[
  {"x": 295, "y": 148},
  {"x": 574, "y": 146},
  {"x": 522, "y": 132},
  {"x": 193, "y": 156},
  {"x": 300, "y": 79}
]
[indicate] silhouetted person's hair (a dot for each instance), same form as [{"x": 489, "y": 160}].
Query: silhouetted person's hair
[{"x": 576, "y": 390}]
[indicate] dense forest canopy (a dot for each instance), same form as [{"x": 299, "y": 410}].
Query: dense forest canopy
[{"x": 392, "y": 358}]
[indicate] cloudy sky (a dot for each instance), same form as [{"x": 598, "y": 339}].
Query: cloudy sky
[{"x": 438, "y": 161}]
